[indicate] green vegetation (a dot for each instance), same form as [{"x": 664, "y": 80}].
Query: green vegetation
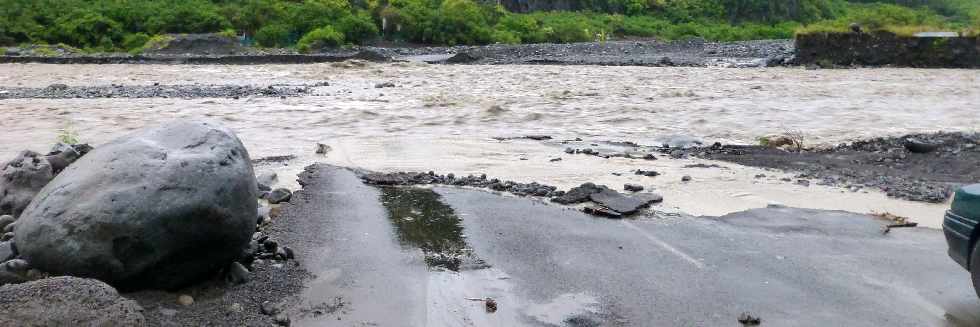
[
  {"x": 320, "y": 38},
  {"x": 68, "y": 135},
  {"x": 136, "y": 25}
]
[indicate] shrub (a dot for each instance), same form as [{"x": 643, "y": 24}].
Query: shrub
[
  {"x": 461, "y": 22},
  {"x": 357, "y": 28},
  {"x": 308, "y": 15},
  {"x": 568, "y": 31},
  {"x": 505, "y": 37},
  {"x": 157, "y": 42},
  {"x": 87, "y": 29},
  {"x": 135, "y": 41},
  {"x": 524, "y": 27},
  {"x": 874, "y": 17},
  {"x": 643, "y": 26},
  {"x": 320, "y": 38},
  {"x": 276, "y": 35},
  {"x": 187, "y": 16}
]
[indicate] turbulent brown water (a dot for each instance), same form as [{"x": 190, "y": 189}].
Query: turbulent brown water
[{"x": 443, "y": 118}]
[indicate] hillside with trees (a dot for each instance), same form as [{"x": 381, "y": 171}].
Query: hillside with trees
[{"x": 114, "y": 25}]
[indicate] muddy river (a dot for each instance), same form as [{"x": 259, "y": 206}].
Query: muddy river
[{"x": 445, "y": 118}]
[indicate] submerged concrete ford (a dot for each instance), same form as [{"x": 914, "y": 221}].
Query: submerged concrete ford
[{"x": 960, "y": 227}]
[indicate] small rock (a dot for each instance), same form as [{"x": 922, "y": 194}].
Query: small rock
[
  {"x": 289, "y": 253},
  {"x": 262, "y": 213},
  {"x": 237, "y": 274},
  {"x": 270, "y": 246},
  {"x": 919, "y": 146},
  {"x": 58, "y": 87},
  {"x": 322, "y": 148},
  {"x": 632, "y": 187},
  {"x": 648, "y": 173},
  {"x": 384, "y": 85},
  {"x": 569, "y": 150},
  {"x": 185, "y": 300},
  {"x": 602, "y": 212},
  {"x": 270, "y": 308},
  {"x": 747, "y": 319},
  {"x": 21, "y": 179},
  {"x": 266, "y": 181},
  {"x": 281, "y": 319},
  {"x": 774, "y": 204},
  {"x": 491, "y": 305},
  {"x": 236, "y": 307},
  {"x": 6, "y": 220},
  {"x": 803, "y": 182},
  {"x": 649, "y": 156},
  {"x": 279, "y": 195},
  {"x": 855, "y": 27},
  {"x": 16, "y": 265},
  {"x": 555, "y": 159},
  {"x": 686, "y": 178}
]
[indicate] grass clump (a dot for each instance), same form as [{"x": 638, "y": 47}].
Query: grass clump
[
  {"x": 324, "y": 37},
  {"x": 68, "y": 135}
]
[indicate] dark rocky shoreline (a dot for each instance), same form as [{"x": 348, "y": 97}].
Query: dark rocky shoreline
[
  {"x": 691, "y": 53},
  {"x": 62, "y": 91},
  {"x": 891, "y": 164},
  {"x": 916, "y": 167}
]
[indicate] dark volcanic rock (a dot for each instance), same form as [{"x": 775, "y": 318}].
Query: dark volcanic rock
[
  {"x": 63, "y": 155},
  {"x": 633, "y": 187},
  {"x": 266, "y": 180},
  {"x": 626, "y": 205},
  {"x": 462, "y": 58},
  {"x": 237, "y": 274},
  {"x": 6, "y": 220},
  {"x": 602, "y": 212},
  {"x": 21, "y": 179},
  {"x": 578, "y": 194},
  {"x": 186, "y": 190},
  {"x": 67, "y": 301},
  {"x": 918, "y": 146},
  {"x": 648, "y": 173},
  {"x": 279, "y": 195},
  {"x": 885, "y": 163}
]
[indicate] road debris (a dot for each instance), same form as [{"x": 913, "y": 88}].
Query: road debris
[{"x": 746, "y": 319}]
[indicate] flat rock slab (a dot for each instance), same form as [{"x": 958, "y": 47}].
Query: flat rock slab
[
  {"x": 67, "y": 301},
  {"x": 624, "y": 204},
  {"x": 578, "y": 194}
]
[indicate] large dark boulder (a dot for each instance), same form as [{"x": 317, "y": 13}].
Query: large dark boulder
[
  {"x": 160, "y": 208},
  {"x": 67, "y": 301},
  {"x": 21, "y": 179}
]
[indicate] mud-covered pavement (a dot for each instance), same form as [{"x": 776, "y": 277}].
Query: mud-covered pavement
[{"x": 426, "y": 257}]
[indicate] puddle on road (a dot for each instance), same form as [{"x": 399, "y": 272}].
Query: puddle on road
[
  {"x": 458, "y": 280},
  {"x": 421, "y": 220}
]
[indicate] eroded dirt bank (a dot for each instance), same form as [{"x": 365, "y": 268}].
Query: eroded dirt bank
[{"x": 419, "y": 117}]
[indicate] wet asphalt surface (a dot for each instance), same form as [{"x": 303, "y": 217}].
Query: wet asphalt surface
[{"x": 428, "y": 257}]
